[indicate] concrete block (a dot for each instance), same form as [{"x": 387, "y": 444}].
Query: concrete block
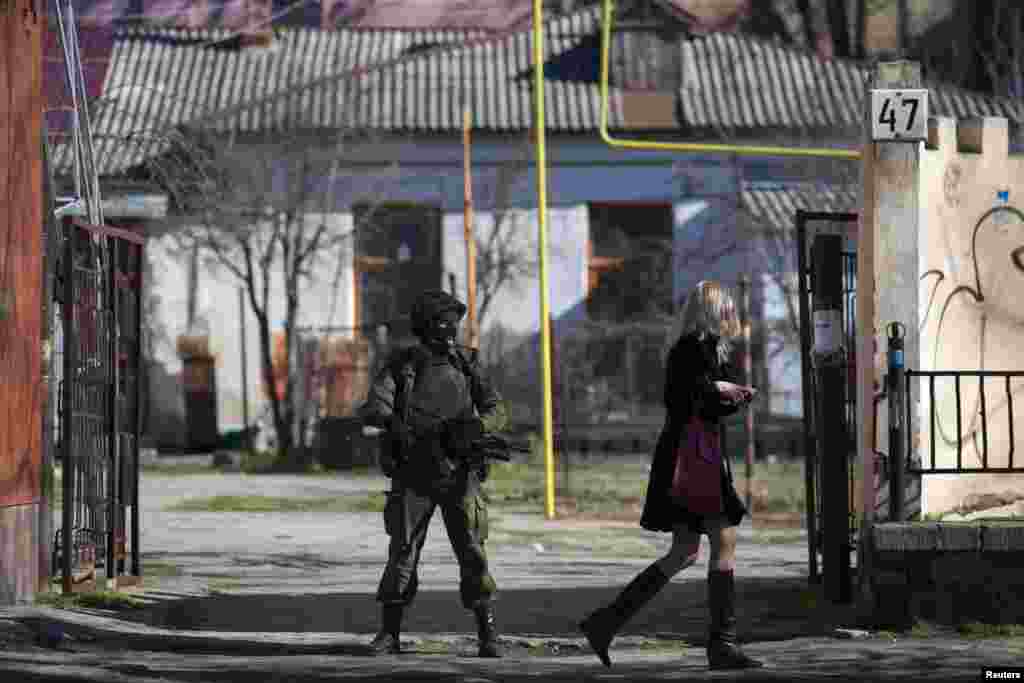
[
  {"x": 889, "y": 560},
  {"x": 889, "y": 579},
  {"x": 921, "y": 568},
  {"x": 19, "y": 553},
  {"x": 956, "y": 571},
  {"x": 1002, "y": 537},
  {"x": 919, "y": 536},
  {"x": 959, "y": 537}
]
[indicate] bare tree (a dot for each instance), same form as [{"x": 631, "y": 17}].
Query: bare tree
[
  {"x": 258, "y": 210},
  {"x": 502, "y": 262}
]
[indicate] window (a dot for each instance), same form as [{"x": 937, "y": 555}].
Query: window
[
  {"x": 630, "y": 261},
  {"x": 398, "y": 255}
]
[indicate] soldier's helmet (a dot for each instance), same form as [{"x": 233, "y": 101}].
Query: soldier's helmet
[{"x": 430, "y": 307}]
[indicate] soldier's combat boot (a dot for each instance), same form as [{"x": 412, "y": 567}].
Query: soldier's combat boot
[
  {"x": 386, "y": 642},
  {"x": 486, "y": 631},
  {"x": 723, "y": 652},
  {"x": 602, "y": 625}
]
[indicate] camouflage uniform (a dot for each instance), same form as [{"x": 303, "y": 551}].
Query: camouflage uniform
[{"x": 417, "y": 393}]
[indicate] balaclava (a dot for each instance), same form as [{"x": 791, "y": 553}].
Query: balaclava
[{"x": 435, "y": 319}]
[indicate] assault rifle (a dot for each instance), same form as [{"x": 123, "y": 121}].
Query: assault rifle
[
  {"x": 465, "y": 439},
  {"x": 497, "y": 447}
]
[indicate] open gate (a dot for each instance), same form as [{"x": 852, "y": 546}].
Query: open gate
[
  {"x": 98, "y": 343},
  {"x": 829, "y": 429}
]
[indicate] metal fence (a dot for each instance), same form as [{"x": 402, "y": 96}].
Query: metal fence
[
  {"x": 98, "y": 362},
  {"x": 813, "y": 432},
  {"x": 916, "y": 465}
]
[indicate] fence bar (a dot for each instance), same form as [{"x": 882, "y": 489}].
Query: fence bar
[
  {"x": 139, "y": 308},
  {"x": 807, "y": 395},
  {"x": 968, "y": 470},
  {"x": 66, "y": 422},
  {"x": 113, "y": 430},
  {"x": 959, "y": 438},
  {"x": 984, "y": 426},
  {"x": 1009, "y": 414},
  {"x": 907, "y": 430},
  {"x": 931, "y": 404}
]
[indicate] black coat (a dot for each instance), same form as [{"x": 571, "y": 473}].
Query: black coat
[{"x": 691, "y": 371}]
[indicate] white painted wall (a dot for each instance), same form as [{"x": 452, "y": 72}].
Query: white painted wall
[
  {"x": 326, "y": 299},
  {"x": 517, "y": 306},
  {"x": 971, "y": 308}
]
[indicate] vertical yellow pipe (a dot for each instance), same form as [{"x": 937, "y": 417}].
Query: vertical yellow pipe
[{"x": 542, "y": 245}]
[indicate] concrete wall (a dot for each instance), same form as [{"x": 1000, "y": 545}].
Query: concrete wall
[
  {"x": 972, "y": 308},
  {"x": 19, "y": 545},
  {"x": 21, "y": 253}
]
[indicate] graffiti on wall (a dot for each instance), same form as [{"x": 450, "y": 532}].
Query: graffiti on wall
[{"x": 974, "y": 315}]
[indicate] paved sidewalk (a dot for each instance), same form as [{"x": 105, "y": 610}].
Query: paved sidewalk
[
  {"x": 289, "y": 597},
  {"x": 97, "y": 648}
]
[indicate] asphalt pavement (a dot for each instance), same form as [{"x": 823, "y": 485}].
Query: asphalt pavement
[{"x": 289, "y": 597}]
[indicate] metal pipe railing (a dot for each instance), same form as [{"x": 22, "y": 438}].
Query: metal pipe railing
[{"x": 982, "y": 433}]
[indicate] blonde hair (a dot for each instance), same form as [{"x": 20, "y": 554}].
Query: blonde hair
[{"x": 709, "y": 307}]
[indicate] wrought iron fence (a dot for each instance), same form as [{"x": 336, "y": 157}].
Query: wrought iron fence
[
  {"x": 814, "y": 480},
  {"x": 916, "y": 465},
  {"x": 98, "y": 345}
]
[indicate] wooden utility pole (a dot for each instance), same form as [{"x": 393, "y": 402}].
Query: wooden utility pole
[
  {"x": 21, "y": 306},
  {"x": 472, "y": 334},
  {"x": 748, "y": 375}
]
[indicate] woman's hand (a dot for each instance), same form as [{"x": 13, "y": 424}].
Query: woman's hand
[
  {"x": 731, "y": 392},
  {"x": 736, "y": 393}
]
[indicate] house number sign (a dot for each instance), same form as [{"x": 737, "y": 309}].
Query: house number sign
[{"x": 899, "y": 115}]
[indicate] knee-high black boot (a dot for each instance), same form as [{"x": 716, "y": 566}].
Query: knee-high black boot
[
  {"x": 487, "y": 631},
  {"x": 602, "y": 625},
  {"x": 723, "y": 652},
  {"x": 386, "y": 642}
]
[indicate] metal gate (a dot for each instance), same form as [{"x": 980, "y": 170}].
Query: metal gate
[
  {"x": 97, "y": 338},
  {"x": 808, "y": 225}
]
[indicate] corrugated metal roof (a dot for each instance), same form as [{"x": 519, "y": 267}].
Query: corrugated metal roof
[
  {"x": 776, "y": 204},
  {"x": 369, "y": 79},
  {"x": 328, "y": 79},
  {"x": 733, "y": 82}
]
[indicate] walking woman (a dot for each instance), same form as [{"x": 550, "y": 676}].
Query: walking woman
[{"x": 698, "y": 392}]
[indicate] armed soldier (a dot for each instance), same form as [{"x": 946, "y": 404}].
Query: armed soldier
[{"x": 434, "y": 405}]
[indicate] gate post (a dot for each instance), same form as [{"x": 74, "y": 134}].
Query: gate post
[
  {"x": 21, "y": 207},
  {"x": 833, "y": 440},
  {"x": 888, "y": 269}
]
